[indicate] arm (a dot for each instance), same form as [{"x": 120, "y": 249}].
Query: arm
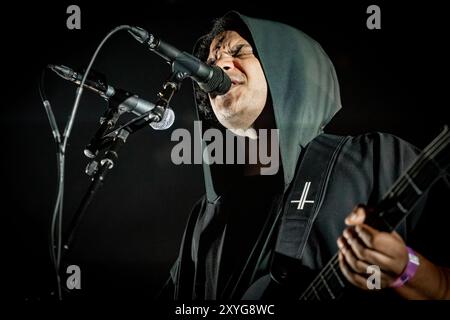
[{"x": 361, "y": 246}]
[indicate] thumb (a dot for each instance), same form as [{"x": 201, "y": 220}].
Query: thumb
[{"x": 357, "y": 216}]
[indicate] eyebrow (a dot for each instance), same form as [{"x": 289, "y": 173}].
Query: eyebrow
[
  {"x": 239, "y": 46},
  {"x": 234, "y": 49}
]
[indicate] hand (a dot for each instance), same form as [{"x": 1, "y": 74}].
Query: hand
[{"x": 361, "y": 246}]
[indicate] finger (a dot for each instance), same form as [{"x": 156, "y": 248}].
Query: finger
[
  {"x": 386, "y": 243},
  {"x": 377, "y": 276},
  {"x": 371, "y": 256},
  {"x": 361, "y": 280},
  {"x": 357, "y": 216},
  {"x": 397, "y": 246},
  {"x": 356, "y": 245},
  {"x": 355, "y": 264},
  {"x": 354, "y": 278},
  {"x": 366, "y": 234},
  {"x": 397, "y": 236}
]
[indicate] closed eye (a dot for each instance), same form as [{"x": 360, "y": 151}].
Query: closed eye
[{"x": 235, "y": 51}]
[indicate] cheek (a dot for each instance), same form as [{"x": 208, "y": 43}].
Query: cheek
[
  {"x": 256, "y": 77},
  {"x": 258, "y": 84}
]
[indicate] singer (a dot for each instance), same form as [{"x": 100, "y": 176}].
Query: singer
[{"x": 250, "y": 235}]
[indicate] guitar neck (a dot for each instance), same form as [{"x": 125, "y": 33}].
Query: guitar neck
[{"x": 398, "y": 202}]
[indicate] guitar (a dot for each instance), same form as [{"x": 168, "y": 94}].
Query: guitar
[{"x": 330, "y": 284}]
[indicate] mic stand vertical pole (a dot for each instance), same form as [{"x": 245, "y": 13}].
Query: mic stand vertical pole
[{"x": 106, "y": 163}]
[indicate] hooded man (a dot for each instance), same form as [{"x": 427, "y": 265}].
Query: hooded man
[{"x": 252, "y": 234}]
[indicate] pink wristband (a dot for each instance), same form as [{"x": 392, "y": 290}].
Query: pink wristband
[{"x": 410, "y": 270}]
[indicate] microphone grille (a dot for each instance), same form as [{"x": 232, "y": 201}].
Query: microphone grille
[
  {"x": 166, "y": 121},
  {"x": 219, "y": 83}
]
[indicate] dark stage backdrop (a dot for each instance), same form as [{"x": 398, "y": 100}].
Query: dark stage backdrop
[{"x": 392, "y": 80}]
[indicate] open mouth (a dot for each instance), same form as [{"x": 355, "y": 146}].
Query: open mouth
[
  {"x": 236, "y": 80},
  {"x": 235, "y": 83}
]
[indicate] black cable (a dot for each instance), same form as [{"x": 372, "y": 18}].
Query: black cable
[
  {"x": 56, "y": 219},
  {"x": 61, "y": 144}
]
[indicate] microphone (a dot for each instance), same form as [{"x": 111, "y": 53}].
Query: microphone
[
  {"x": 211, "y": 79},
  {"x": 127, "y": 102}
]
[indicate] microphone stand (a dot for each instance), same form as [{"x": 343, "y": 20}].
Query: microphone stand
[{"x": 112, "y": 142}]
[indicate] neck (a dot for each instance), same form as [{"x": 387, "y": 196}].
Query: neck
[
  {"x": 250, "y": 132},
  {"x": 266, "y": 120}
]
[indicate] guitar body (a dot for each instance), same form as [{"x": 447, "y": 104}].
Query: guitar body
[
  {"x": 286, "y": 281},
  {"x": 266, "y": 288}
]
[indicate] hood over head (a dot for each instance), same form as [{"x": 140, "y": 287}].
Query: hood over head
[{"x": 303, "y": 88}]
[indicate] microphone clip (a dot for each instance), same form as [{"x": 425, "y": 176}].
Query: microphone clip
[
  {"x": 161, "y": 116},
  {"x": 107, "y": 123}
]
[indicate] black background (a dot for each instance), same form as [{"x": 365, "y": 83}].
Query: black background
[{"x": 392, "y": 80}]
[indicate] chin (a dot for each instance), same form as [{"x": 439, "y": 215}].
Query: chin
[
  {"x": 232, "y": 116},
  {"x": 228, "y": 122},
  {"x": 234, "y": 123},
  {"x": 227, "y": 112}
]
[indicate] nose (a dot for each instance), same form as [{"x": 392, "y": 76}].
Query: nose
[{"x": 225, "y": 62}]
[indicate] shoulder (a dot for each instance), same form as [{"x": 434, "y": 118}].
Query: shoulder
[
  {"x": 377, "y": 152},
  {"x": 386, "y": 148},
  {"x": 382, "y": 140},
  {"x": 376, "y": 144}
]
